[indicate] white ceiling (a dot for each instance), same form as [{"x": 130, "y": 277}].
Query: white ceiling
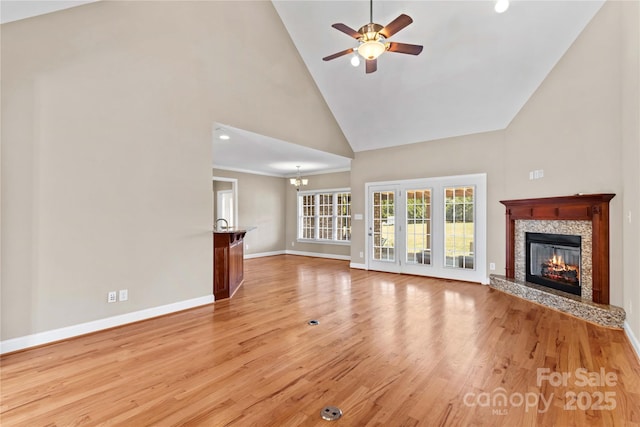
[
  {"x": 270, "y": 156},
  {"x": 14, "y": 10},
  {"x": 477, "y": 69}
]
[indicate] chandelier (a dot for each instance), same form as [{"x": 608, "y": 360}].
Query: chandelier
[{"x": 298, "y": 181}]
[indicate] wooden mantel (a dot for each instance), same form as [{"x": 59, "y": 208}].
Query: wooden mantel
[{"x": 581, "y": 207}]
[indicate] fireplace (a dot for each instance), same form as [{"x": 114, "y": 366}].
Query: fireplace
[
  {"x": 574, "y": 230},
  {"x": 586, "y": 215},
  {"x": 553, "y": 260}
]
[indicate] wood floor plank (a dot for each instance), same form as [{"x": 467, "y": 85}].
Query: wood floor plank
[{"x": 390, "y": 350}]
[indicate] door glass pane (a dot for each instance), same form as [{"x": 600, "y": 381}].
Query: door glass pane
[
  {"x": 459, "y": 227},
  {"x": 418, "y": 226},
  {"x": 383, "y": 232}
]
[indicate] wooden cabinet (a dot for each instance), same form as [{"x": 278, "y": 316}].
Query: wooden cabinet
[{"x": 228, "y": 265}]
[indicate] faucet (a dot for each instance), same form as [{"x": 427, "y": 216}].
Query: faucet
[{"x": 225, "y": 221}]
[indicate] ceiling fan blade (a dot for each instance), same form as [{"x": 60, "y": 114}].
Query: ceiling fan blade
[
  {"x": 337, "y": 55},
  {"x": 348, "y": 30},
  {"x": 411, "y": 49},
  {"x": 396, "y": 25},
  {"x": 371, "y": 65}
]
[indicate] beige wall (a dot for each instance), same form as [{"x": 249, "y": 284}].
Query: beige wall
[
  {"x": 261, "y": 204},
  {"x": 316, "y": 182},
  {"x": 269, "y": 203},
  {"x": 106, "y": 148},
  {"x": 479, "y": 153},
  {"x": 630, "y": 199},
  {"x": 580, "y": 127}
]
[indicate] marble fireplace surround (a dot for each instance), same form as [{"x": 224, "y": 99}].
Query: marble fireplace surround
[{"x": 584, "y": 215}]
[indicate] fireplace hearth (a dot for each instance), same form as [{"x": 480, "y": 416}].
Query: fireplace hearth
[
  {"x": 557, "y": 255},
  {"x": 553, "y": 260}
]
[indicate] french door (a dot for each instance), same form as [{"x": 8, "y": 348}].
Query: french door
[{"x": 432, "y": 227}]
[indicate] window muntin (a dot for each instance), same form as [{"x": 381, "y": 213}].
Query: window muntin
[
  {"x": 324, "y": 216},
  {"x": 307, "y": 216},
  {"x": 418, "y": 226},
  {"x": 459, "y": 227},
  {"x": 383, "y": 232},
  {"x": 343, "y": 217}
]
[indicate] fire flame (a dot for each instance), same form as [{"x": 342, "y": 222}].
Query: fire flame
[{"x": 556, "y": 269}]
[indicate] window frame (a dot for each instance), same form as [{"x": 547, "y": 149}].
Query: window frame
[{"x": 335, "y": 218}]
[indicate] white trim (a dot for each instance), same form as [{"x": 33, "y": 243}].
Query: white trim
[
  {"x": 325, "y": 242},
  {"x": 635, "y": 343},
  {"x": 279, "y": 175},
  {"x": 320, "y": 172},
  {"x": 358, "y": 266},
  {"x": 316, "y": 200},
  {"x": 247, "y": 171},
  {"x": 319, "y": 255},
  {"x": 40, "y": 338},
  {"x": 326, "y": 190},
  {"x": 436, "y": 184},
  {"x": 300, "y": 253},
  {"x": 263, "y": 254},
  {"x": 234, "y": 188}
]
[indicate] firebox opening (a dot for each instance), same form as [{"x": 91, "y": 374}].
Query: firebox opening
[{"x": 553, "y": 260}]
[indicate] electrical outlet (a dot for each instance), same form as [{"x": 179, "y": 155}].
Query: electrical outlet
[
  {"x": 361, "y": 254},
  {"x": 123, "y": 295},
  {"x": 246, "y": 247},
  {"x": 492, "y": 266},
  {"x": 536, "y": 174},
  {"x": 293, "y": 244},
  {"x": 111, "y": 296}
]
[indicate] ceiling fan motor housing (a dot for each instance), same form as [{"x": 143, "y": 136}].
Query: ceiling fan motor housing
[{"x": 370, "y": 31}]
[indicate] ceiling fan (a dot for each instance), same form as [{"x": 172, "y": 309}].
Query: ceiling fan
[{"x": 372, "y": 39}]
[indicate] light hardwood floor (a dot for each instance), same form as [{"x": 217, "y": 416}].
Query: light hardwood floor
[{"x": 390, "y": 350}]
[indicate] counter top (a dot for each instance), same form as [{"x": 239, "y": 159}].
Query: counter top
[{"x": 230, "y": 230}]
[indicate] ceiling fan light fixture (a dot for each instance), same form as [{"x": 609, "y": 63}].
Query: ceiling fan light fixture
[{"x": 371, "y": 49}]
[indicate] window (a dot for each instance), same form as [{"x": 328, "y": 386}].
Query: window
[{"x": 324, "y": 216}]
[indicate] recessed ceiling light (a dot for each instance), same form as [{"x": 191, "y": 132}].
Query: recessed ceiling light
[
  {"x": 501, "y": 6},
  {"x": 224, "y": 136},
  {"x": 355, "y": 61}
]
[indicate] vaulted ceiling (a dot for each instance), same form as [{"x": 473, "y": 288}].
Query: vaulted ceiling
[{"x": 478, "y": 68}]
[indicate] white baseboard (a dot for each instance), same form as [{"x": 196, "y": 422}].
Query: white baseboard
[
  {"x": 264, "y": 254},
  {"x": 358, "y": 266},
  {"x": 21, "y": 343},
  {"x": 319, "y": 255},
  {"x": 632, "y": 338}
]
